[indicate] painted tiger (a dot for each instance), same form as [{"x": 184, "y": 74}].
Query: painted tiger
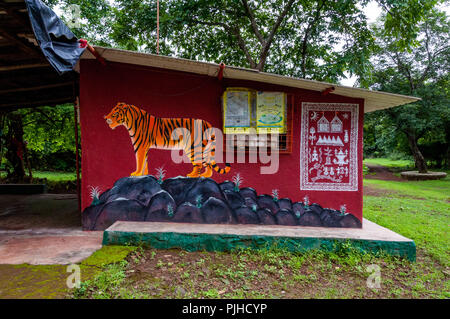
[{"x": 147, "y": 131}]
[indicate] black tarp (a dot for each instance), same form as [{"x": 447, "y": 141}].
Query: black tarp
[{"x": 59, "y": 45}]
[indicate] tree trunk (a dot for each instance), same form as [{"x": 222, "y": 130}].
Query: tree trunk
[
  {"x": 15, "y": 146},
  {"x": 418, "y": 157}
]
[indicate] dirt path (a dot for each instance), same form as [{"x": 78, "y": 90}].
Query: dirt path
[{"x": 382, "y": 173}]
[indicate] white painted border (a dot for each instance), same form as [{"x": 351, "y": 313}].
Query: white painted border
[{"x": 352, "y": 185}]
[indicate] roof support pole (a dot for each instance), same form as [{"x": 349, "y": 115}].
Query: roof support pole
[
  {"x": 77, "y": 151},
  {"x": 157, "y": 26}
]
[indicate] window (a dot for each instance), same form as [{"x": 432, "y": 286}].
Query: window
[{"x": 254, "y": 119}]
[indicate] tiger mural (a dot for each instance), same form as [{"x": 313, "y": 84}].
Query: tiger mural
[{"x": 147, "y": 131}]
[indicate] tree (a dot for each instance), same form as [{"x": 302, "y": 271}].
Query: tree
[
  {"x": 44, "y": 135},
  {"x": 421, "y": 71},
  {"x": 316, "y": 39}
]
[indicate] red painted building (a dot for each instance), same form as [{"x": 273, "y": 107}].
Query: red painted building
[{"x": 320, "y": 143}]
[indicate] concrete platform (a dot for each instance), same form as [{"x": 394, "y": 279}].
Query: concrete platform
[{"x": 192, "y": 237}]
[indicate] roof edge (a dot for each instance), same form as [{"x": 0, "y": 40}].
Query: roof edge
[{"x": 374, "y": 100}]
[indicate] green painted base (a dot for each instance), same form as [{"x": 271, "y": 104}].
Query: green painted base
[{"x": 228, "y": 242}]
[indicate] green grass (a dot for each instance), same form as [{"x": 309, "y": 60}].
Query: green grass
[
  {"x": 51, "y": 175},
  {"x": 389, "y": 163},
  {"x": 49, "y": 281},
  {"x": 56, "y": 176},
  {"x": 429, "y": 190},
  {"x": 419, "y": 210},
  {"x": 426, "y": 222}
]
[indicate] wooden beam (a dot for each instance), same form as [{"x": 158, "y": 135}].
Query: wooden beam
[
  {"x": 24, "y": 46},
  {"x": 36, "y": 88},
  {"x": 13, "y": 4},
  {"x": 17, "y": 56},
  {"x": 51, "y": 102},
  {"x": 17, "y": 17},
  {"x": 24, "y": 66}
]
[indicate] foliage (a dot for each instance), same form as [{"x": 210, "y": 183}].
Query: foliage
[
  {"x": 49, "y": 137},
  {"x": 160, "y": 174},
  {"x": 423, "y": 72},
  {"x": 310, "y": 39},
  {"x": 198, "y": 201},
  {"x": 275, "y": 195},
  {"x": 94, "y": 193},
  {"x": 237, "y": 180}
]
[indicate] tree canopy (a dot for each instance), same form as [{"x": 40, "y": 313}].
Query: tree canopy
[
  {"x": 421, "y": 71},
  {"x": 314, "y": 39}
]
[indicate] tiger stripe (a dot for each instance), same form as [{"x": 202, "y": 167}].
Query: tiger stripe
[{"x": 147, "y": 131}]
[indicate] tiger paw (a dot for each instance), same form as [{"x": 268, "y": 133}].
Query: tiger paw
[
  {"x": 193, "y": 175},
  {"x": 207, "y": 173},
  {"x": 135, "y": 174}
]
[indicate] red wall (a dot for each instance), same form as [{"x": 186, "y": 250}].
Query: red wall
[{"x": 108, "y": 155}]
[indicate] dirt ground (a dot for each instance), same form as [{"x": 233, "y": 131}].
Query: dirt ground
[{"x": 381, "y": 172}]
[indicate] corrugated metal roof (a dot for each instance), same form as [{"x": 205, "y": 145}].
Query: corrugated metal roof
[{"x": 374, "y": 100}]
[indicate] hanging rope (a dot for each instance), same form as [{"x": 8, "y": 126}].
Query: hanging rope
[{"x": 157, "y": 27}]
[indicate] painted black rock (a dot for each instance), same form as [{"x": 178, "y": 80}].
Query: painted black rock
[
  {"x": 160, "y": 215},
  {"x": 285, "y": 217},
  {"x": 90, "y": 215},
  {"x": 162, "y": 201},
  {"x": 178, "y": 187},
  {"x": 140, "y": 188},
  {"x": 310, "y": 218},
  {"x": 350, "y": 221},
  {"x": 234, "y": 199},
  {"x": 266, "y": 217},
  {"x": 331, "y": 218},
  {"x": 227, "y": 186},
  {"x": 245, "y": 215},
  {"x": 266, "y": 201},
  {"x": 285, "y": 203},
  {"x": 316, "y": 208},
  {"x": 119, "y": 209},
  {"x": 188, "y": 213},
  {"x": 248, "y": 192},
  {"x": 251, "y": 203},
  {"x": 215, "y": 211},
  {"x": 202, "y": 190},
  {"x": 298, "y": 209}
]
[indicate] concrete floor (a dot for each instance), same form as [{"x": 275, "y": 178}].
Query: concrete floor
[
  {"x": 43, "y": 229},
  {"x": 48, "y": 246},
  {"x": 370, "y": 230}
]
